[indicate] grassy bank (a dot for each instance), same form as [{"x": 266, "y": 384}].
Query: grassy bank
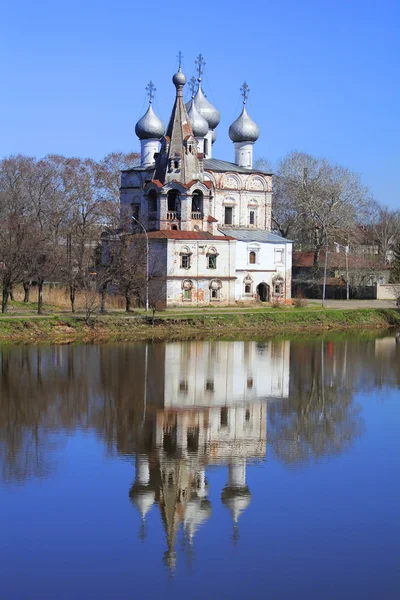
[{"x": 67, "y": 329}]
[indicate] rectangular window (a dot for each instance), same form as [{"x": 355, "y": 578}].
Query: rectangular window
[
  {"x": 214, "y": 294},
  {"x": 247, "y": 288},
  {"x": 209, "y": 385},
  {"x": 228, "y": 215},
  {"x": 185, "y": 261},
  {"x": 278, "y": 256},
  {"x": 183, "y": 386},
  {"x": 224, "y": 417},
  {"x": 187, "y": 294},
  {"x": 252, "y": 217},
  {"x": 212, "y": 261}
]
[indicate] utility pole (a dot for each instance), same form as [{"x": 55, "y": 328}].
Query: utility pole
[{"x": 147, "y": 262}]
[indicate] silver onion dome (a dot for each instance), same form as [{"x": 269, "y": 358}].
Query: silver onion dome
[
  {"x": 149, "y": 126},
  {"x": 197, "y": 121},
  {"x": 179, "y": 79},
  {"x": 244, "y": 129},
  {"x": 206, "y": 109}
]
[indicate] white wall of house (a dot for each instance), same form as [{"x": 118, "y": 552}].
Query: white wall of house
[
  {"x": 193, "y": 284},
  {"x": 273, "y": 263}
]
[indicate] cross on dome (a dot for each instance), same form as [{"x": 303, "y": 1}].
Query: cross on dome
[
  {"x": 200, "y": 62},
  {"x": 192, "y": 85},
  {"x": 245, "y": 92},
  {"x": 151, "y": 90},
  {"x": 179, "y": 57}
]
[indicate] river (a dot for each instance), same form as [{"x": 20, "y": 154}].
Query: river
[{"x": 201, "y": 469}]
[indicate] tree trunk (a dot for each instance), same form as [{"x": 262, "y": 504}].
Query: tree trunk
[
  {"x": 127, "y": 302},
  {"x": 12, "y": 294},
  {"x": 103, "y": 298},
  {"x": 72, "y": 297},
  {"x": 4, "y": 302},
  {"x": 40, "y": 296},
  {"x": 27, "y": 290}
]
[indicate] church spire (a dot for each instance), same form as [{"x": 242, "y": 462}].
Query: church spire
[{"x": 178, "y": 159}]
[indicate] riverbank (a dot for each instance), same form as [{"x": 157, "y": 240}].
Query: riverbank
[{"x": 69, "y": 329}]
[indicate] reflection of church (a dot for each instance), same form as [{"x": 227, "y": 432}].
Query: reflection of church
[{"x": 213, "y": 411}]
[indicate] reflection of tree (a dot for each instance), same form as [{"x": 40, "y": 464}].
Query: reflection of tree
[
  {"x": 45, "y": 390},
  {"x": 319, "y": 418}
]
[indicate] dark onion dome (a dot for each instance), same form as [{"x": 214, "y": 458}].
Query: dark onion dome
[
  {"x": 149, "y": 126},
  {"x": 244, "y": 129},
  {"x": 197, "y": 121},
  {"x": 179, "y": 78},
  {"x": 207, "y": 110}
]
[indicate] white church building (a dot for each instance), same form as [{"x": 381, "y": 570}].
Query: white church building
[{"x": 208, "y": 221}]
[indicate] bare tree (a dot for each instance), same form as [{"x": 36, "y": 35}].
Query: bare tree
[
  {"x": 316, "y": 202},
  {"x": 16, "y": 222}
]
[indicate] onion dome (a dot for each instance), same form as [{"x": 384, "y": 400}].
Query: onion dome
[
  {"x": 179, "y": 79},
  {"x": 206, "y": 109},
  {"x": 244, "y": 129},
  {"x": 197, "y": 121},
  {"x": 149, "y": 126}
]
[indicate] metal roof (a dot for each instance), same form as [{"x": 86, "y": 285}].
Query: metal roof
[
  {"x": 254, "y": 235},
  {"x": 223, "y": 166},
  {"x": 173, "y": 234}
]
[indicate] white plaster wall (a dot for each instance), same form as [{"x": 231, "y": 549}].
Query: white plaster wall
[
  {"x": 388, "y": 292},
  {"x": 266, "y": 268},
  {"x": 198, "y": 272}
]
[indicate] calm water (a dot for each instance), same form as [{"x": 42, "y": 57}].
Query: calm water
[{"x": 201, "y": 470}]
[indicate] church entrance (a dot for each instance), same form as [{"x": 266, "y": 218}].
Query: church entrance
[{"x": 263, "y": 292}]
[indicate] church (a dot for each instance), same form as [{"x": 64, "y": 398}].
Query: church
[{"x": 207, "y": 221}]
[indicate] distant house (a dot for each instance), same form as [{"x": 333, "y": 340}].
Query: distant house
[{"x": 365, "y": 273}]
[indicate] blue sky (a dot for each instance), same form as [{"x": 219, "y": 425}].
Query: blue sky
[{"x": 324, "y": 76}]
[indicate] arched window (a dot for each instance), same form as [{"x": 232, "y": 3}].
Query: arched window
[
  {"x": 152, "y": 199},
  {"x": 215, "y": 290},
  {"x": 278, "y": 285},
  {"x": 197, "y": 204},
  {"x": 252, "y": 217},
  {"x": 212, "y": 258},
  {"x": 187, "y": 287},
  {"x": 252, "y": 257},
  {"x": 173, "y": 205},
  {"x": 185, "y": 255}
]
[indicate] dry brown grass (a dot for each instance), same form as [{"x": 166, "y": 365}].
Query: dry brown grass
[{"x": 59, "y": 298}]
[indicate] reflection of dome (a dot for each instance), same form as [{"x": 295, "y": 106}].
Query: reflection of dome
[
  {"x": 149, "y": 126},
  {"x": 197, "y": 511},
  {"x": 207, "y": 110},
  {"x": 143, "y": 498},
  {"x": 237, "y": 499},
  {"x": 244, "y": 129}
]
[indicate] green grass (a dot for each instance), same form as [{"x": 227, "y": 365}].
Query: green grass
[{"x": 68, "y": 328}]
